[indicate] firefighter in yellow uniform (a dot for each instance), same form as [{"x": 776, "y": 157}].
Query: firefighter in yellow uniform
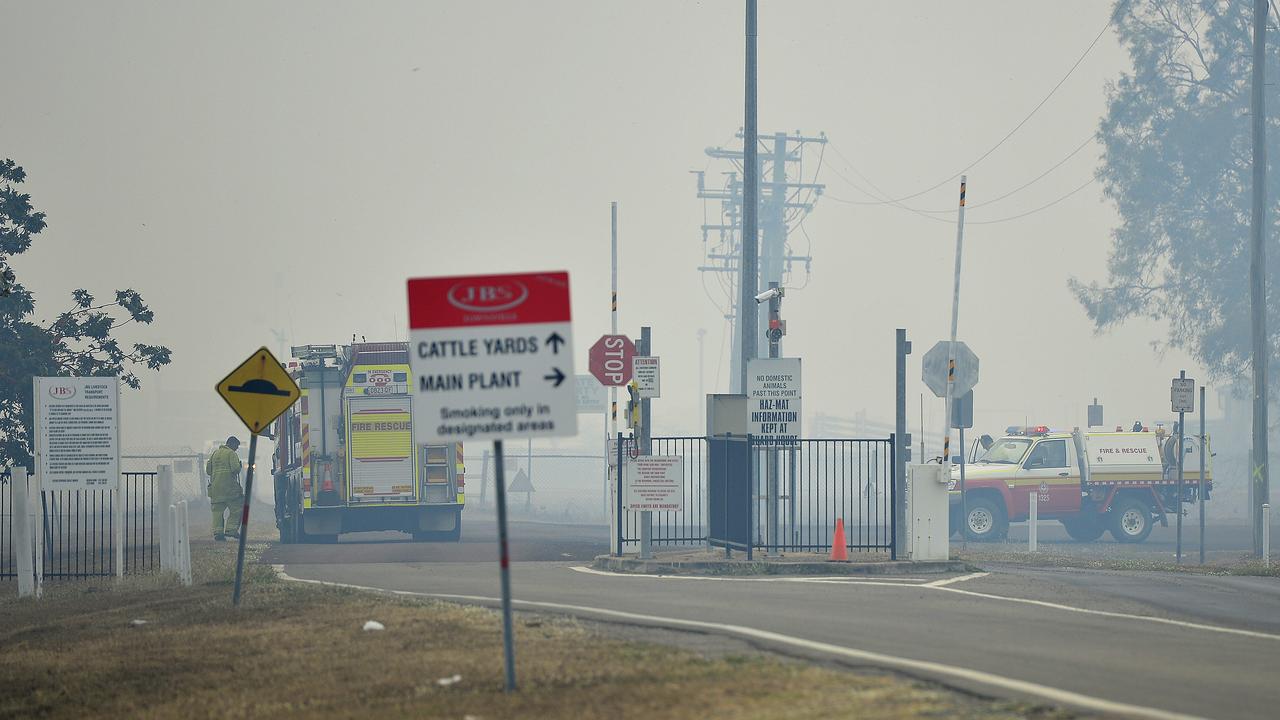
[{"x": 223, "y": 469}]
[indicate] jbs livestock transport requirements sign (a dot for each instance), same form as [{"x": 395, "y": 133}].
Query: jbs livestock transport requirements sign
[
  {"x": 78, "y": 432},
  {"x": 655, "y": 483},
  {"x": 492, "y": 357}
]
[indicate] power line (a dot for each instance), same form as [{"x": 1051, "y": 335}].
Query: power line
[
  {"x": 1046, "y": 206},
  {"x": 1019, "y": 216},
  {"x": 974, "y": 206},
  {"x": 1016, "y": 128}
]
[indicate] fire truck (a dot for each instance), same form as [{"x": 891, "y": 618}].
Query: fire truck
[
  {"x": 346, "y": 460},
  {"x": 1092, "y": 482}
]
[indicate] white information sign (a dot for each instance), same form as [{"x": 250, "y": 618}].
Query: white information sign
[
  {"x": 647, "y": 373},
  {"x": 592, "y": 397},
  {"x": 655, "y": 483},
  {"x": 1183, "y": 394},
  {"x": 78, "y": 433},
  {"x": 773, "y": 398},
  {"x": 492, "y": 357}
]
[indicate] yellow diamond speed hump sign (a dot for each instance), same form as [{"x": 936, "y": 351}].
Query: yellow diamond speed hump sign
[{"x": 259, "y": 390}]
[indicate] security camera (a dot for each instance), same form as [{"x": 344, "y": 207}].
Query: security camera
[{"x": 769, "y": 294}]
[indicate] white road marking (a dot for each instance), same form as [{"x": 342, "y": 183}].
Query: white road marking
[
  {"x": 944, "y": 584},
  {"x": 958, "y": 579},
  {"x": 1051, "y": 694},
  {"x": 1107, "y": 613},
  {"x": 834, "y": 579}
]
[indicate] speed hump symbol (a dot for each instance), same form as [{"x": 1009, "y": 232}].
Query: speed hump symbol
[{"x": 258, "y": 390}]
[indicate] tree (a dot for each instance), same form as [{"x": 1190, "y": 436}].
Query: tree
[
  {"x": 1177, "y": 164},
  {"x": 78, "y": 342}
]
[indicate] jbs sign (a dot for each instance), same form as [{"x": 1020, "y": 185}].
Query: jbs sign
[{"x": 488, "y": 297}]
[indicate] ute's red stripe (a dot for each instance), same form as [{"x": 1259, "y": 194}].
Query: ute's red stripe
[{"x": 479, "y": 300}]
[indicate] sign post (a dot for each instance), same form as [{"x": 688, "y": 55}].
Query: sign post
[
  {"x": 490, "y": 355},
  {"x": 1183, "y": 396},
  {"x": 609, "y": 361},
  {"x": 258, "y": 390},
  {"x": 1204, "y": 452}
]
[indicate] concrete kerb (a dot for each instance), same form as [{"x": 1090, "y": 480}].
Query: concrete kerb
[{"x": 704, "y": 566}]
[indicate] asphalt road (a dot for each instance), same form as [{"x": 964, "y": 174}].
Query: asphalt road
[{"x": 1211, "y": 651}]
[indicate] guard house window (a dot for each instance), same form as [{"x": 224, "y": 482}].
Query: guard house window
[{"x": 1048, "y": 454}]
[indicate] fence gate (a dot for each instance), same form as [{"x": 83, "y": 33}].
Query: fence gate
[
  {"x": 79, "y": 529},
  {"x": 750, "y": 493}
]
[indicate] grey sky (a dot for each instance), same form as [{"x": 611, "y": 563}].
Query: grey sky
[{"x": 251, "y": 166}]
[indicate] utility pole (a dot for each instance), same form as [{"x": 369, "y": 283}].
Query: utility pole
[
  {"x": 750, "y": 272},
  {"x": 702, "y": 396},
  {"x": 1257, "y": 277},
  {"x": 783, "y": 205}
]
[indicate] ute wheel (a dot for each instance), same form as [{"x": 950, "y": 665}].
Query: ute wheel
[
  {"x": 1085, "y": 528},
  {"x": 985, "y": 520},
  {"x": 1130, "y": 520}
]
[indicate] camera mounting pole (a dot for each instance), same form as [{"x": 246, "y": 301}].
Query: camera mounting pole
[{"x": 777, "y": 328}]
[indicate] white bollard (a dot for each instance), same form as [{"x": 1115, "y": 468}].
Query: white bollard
[
  {"x": 175, "y": 549},
  {"x": 24, "y": 545},
  {"x": 1033, "y": 521},
  {"x": 1266, "y": 534},
  {"x": 164, "y": 498},
  {"x": 184, "y": 539}
]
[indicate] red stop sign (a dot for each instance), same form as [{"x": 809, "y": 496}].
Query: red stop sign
[{"x": 610, "y": 359}]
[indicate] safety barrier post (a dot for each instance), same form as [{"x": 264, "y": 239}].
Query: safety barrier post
[
  {"x": 164, "y": 498},
  {"x": 171, "y": 539},
  {"x": 183, "y": 545},
  {"x": 1266, "y": 534},
  {"x": 1033, "y": 521}
]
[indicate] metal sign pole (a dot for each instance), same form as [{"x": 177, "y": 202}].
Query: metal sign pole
[
  {"x": 1182, "y": 432},
  {"x": 618, "y": 469},
  {"x": 504, "y": 565},
  {"x": 964, "y": 506},
  {"x": 1204, "y": 451},
  {"x": 951, "y": 349},
  {"x": 244, "y": 518}
]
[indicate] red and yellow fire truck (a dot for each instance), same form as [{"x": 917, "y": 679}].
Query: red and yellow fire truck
[
  {"x": 346, "y": 460},
  {"x": 1093, "y": 482}
]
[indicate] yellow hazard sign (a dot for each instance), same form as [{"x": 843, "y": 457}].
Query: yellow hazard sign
[{"x": 259, "y": 390}]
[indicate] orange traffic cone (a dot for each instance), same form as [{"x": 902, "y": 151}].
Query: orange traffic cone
[{"x": 839, "y": 553}]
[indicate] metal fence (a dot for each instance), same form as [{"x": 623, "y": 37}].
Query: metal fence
[
  {"x": 79, "y": 529},
  {"x": 567, "y": 487},
  {"x": 687, "y": 526},
  {"x": 755, "y": 493},
  {"x": 802, "y": 487}
]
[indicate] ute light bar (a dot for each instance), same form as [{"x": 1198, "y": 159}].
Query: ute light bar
[{"x": 1028, "y": 430}]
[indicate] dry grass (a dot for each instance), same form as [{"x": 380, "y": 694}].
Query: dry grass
[{"x": 299, "y": 651}]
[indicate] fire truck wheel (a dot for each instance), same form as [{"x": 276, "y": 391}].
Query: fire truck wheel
[
  {"x": 985, "y": 521},
  {"x": 1085, "y": 528},
  {"x": 1130, "y": 520}
]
